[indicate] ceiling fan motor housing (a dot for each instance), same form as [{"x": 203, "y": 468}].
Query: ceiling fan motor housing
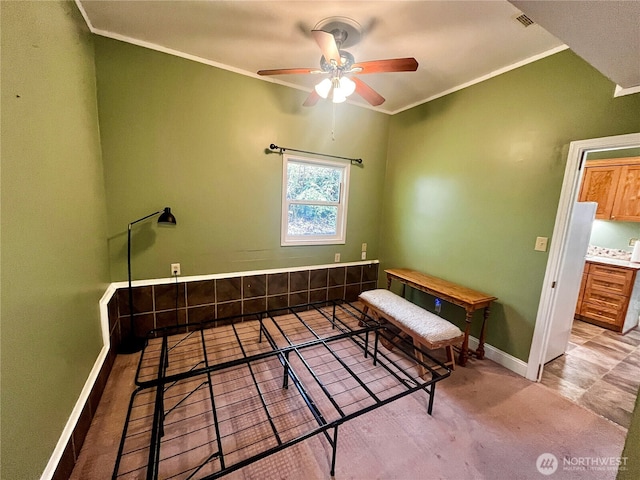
[
  {"x": 349, "y": 32},
  {"x": 340, "y": 36},
  {"x": 347, "y": 62}
]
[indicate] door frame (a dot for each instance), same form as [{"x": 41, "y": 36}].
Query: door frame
[{"x": 558, "y": 249}]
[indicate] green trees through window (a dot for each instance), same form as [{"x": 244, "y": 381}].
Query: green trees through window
[
  {"x": 314, "y": 201},
  {"x": 307, "y": 182}
]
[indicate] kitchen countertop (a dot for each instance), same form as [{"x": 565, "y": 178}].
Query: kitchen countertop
[{"x": 613, "y": 261}]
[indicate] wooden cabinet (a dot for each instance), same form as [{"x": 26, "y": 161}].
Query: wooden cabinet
[
  {"x": 615, "y": 186},
  {"x": 626, "y": 206},
  {"x": 605, "y": 294}
]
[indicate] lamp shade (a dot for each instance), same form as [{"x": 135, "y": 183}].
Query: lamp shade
[
  {"x": 338, "y": 88},
  {"x": 337, "y": 96},
  {"x": 167, "y": 218},
  {"x": 347, "y": 86},
  {"x": 324, "y": 87}
]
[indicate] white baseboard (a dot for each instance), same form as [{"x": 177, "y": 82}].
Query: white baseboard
[
  {"x": 508, "y": 361},
  {"x": 54, "y": 460},
  {"x": 52, "y": 465}
]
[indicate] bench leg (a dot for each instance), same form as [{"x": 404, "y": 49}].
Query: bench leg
[
  {"x": 419, "y": 356},
  {"x": 386, "y": 343},
  {"x": 451, "y": 359},
  {"x": 365, "y": 309}
]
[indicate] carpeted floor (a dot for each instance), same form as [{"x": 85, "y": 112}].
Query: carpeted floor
[{"x": 487, "y": 423}]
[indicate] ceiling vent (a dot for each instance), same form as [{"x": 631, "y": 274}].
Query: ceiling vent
[{"x": 524, "y": 20}]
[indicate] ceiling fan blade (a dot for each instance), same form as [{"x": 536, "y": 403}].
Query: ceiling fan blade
[
  {"x": 312, "y": 99},
  {"x": 390, "y": 65},
  {"x": 327, "y": 44},
  {"x": 288, "y": 71},
  {"x": 368, "y": 93}
]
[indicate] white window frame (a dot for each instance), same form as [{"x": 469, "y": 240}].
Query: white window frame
[{"x": 340, "y": 236}]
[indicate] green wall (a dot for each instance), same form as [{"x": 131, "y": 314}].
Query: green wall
[
  {"x": 474, "y": 177},
  {"x": 612, "y": 234},
  {"x": 621, "y": 153},
  {"x": 193, "y": 137},
  {"x": 53, "y": 221}
]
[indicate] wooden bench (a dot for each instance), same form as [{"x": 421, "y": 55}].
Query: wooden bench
[
  {"x": 424, "y": 328},
  {"x": 470, "y": 300}
]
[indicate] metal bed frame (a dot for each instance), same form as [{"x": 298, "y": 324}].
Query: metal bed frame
[{"x": 215, "y": 397}]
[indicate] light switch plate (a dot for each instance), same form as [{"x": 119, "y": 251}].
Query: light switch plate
[{"x": 541, "y": 244}]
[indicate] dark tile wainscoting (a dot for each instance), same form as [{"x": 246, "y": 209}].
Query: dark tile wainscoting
[
  {"x": 157, "y": 306},
  {"x": 199, "y": 300}
]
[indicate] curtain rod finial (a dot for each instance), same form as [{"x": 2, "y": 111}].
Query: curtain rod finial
[{"x": 273, "y": 146}]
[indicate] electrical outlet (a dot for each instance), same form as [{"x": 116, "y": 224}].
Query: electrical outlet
[
  {"x": 175, "y": 269},
  {"x": 632, "y": 241},
  {"x": 363, "y": 256},
  {"x": 337, "y": 258},
  {"x": 364, "y": 247},
  {"x": 541, "y": 244}
]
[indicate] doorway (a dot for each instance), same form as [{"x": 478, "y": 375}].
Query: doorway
[
  {"x": 573, "y": 375},
  {"x": 550, "y": 304}
]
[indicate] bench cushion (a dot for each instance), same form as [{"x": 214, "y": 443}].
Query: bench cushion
[{"x": 416, "y": 319}]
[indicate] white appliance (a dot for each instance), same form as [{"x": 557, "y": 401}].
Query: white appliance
[
  {"x": 569, "y": 278},
  {"x": 635, "y": 255}
]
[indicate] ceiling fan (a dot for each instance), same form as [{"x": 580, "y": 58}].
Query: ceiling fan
[{"x": 340, "y": 68}]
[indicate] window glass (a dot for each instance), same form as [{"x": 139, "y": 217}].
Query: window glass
[
  {"x": 312, "y": 220},
  {"x": 314, "y": 199}
]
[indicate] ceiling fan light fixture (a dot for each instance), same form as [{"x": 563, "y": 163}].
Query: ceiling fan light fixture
[
  {"x": 338, "y": 96},
  {"x": 338, "y": 89},
  {"x": 347, "y": 86},
  {"x": 324, "y": 87}
]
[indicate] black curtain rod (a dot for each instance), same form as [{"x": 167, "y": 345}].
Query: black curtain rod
[{"x": 283, "y": 149}]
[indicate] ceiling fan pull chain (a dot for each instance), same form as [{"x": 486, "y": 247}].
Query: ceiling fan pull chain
[{"x": 333, "y": 122}]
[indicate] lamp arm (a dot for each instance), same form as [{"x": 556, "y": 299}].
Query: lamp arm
[
  {"x": 130, "y": 288},
  {"x": 129, "y": 263},
  {"x": 144, "y": 218}
]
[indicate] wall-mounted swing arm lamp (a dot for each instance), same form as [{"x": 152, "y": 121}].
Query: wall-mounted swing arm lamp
[{"x": 132, "y": 343}]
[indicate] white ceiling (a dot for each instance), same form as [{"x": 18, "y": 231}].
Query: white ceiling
[
  {"x": 605, "y": 33},
  {"x": 456, "y": 43}
]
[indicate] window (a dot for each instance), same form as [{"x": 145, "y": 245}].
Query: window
[{"x": 314, "y": 201}]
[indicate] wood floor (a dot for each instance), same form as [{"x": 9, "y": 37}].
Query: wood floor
[{"x": 600, "y": 371}]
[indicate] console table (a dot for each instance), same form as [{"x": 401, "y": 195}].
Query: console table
[{"x": 470, "y": 300}]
